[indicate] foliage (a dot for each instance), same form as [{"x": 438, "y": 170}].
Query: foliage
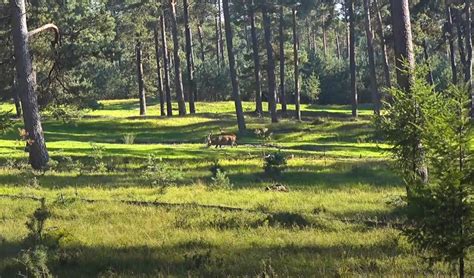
[
  {"x": 215, "y": 168},
  {"x": 275, "y": 163},
  {"x": 97, "y": 154},
  {"x": 6, "y": 122},
  {"x": 35, "y": 262},
  {"x": 402, "y": 125},
  {"x": 35, "y": 259},
  {"x": 311, "y": 88},
  {"x": 160, "y": 173},
  {"x": 441, "y": 218},
  {"x": 220, "y": 181},
  {"x": 66, "y": 113}
]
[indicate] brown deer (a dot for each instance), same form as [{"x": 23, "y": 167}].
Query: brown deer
[{"x": 222, "y": 140}]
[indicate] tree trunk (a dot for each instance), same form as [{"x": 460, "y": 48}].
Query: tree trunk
[
  {"x": 429, "y": 77},
  {"x": 352, "y": 57},
  {"x": 270, "y": 64},
  {"x": 282, "y": 62},
  {"x": 348, "y": 38},
  {"x": 38, "y": 154},
  {"x": 158, "y": 72},
  {"x": 233, "y": 69},
  {"x": 296, "y": 65},
  {"x": 178, "y": 78},
  {"x": 338, "y": 46},
  {"x": 459, "y": 29},
  {"x": 141, "y": 83},
  {"x": 325, "y": 43},
  {"x": 381, "y": 33},
  {"x": 201, "y": 43},
  {"x": 256, "y": 61},
  {"x": 370, "y": 52},
  {"x": 218, "y": 43},
  {"x": 221, "y": 37},
  {"x": 468, "y": 39},
  {"x": 189, "y": 59},
  {"x": 166, "y": 70},
  {"x": 452, "y": 51},
  {"x": 403, "y": 43}
]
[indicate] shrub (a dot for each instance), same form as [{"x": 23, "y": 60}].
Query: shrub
[
  {"x": 35, "y": 262},
  {"x": 98, "y": 158},
  {"x": 221, "y": 181},
  {"x": 160, "y": 173},
  {"x": 34, "y": 259},
  {"x": 311, "y": 88},
  {"x": 215, "y": 168},
  {"x": 66, "y": 113},
  {"x": 275, "y": 164}
]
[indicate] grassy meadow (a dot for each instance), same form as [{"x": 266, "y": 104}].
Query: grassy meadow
[{"x": 338, "y": 219}]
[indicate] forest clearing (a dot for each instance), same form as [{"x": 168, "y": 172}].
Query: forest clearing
[{"x": 336, "y": 219}]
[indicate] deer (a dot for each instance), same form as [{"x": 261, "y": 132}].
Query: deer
[{"x": 221, "y": 140}]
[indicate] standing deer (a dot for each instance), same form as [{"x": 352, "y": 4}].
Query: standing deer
[{"x": 222, "y": 140}]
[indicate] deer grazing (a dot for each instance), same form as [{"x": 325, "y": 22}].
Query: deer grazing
[{"x": 222, "y": 140}]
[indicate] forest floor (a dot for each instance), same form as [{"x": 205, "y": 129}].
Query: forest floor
[{"x": 116, "y": 213}]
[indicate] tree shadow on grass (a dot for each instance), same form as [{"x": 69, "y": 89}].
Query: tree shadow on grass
[{"x": 199, "y": 258}]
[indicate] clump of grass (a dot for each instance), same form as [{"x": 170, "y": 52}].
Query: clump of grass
[{"x": 129, "y": 138}]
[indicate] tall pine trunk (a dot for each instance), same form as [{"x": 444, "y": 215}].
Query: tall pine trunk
[
  {"x": 429, "y": 76},
  {"x": 272, "y": 96},
  {"x": 452, "y": 51},
  {"x": 178, "y": 78},
  {"x": 166, "y": 69},
  {"x": 159, "y": 84},
  {"x": 218, "y": 42},
  {"x": 338, "y": 46},
  {"x": 221, "y": 37},
  {"x": 38, "y": 154},
  {"x": 282, "y": 61},
  {"x": 296, "y": 66},
  {"x": 383, "y": 45},
  {"x": 189, "y": 59},
  {"x": 371, "y": 54},
  {"x": 403, "y": 43},
  {"x": 201, "y": 43},
  {"x": 141, "y": 83},
  {"x": 233, "y": 69},
  {"x": 352, "y": 57},
  {"x": 256, "y": 60},
  {"x": 468, "y": 39}
]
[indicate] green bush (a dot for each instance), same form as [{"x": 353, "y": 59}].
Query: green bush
[
  {"x": 275, "y": 163},
  {"x": 160, "y": 173},
  {"x": 215, "y": 168},
  {"x": 221, "y": 181}
]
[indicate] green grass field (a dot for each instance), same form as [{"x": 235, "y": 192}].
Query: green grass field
[{"x": 336, "y": 221}]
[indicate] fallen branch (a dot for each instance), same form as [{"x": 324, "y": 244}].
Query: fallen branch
[{"x": 366, "y": 222}]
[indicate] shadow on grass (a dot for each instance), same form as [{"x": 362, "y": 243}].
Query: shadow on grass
[{"x": 199, "y": 258}]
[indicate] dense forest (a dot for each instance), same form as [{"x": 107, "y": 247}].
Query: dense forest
[{"x": 342, "y": 133}]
